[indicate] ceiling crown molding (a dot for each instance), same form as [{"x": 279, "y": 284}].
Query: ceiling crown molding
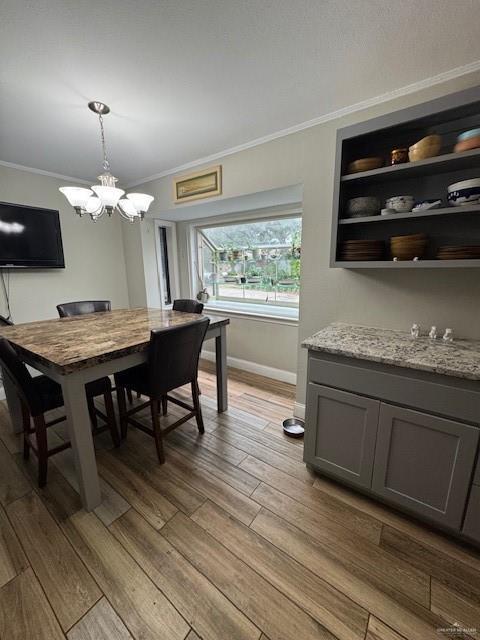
[
  {"x": 41, "y": 172},
  {"x": 344, "y": 111}
]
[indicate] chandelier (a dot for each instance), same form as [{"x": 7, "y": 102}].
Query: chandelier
[{"x": 106, "y": 197}]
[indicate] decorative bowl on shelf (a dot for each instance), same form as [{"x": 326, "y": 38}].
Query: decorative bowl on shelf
[
  {"x": 363, "y": 206},
  {"x": 399, "y": 156},
  {"x": 464, "y": 192},
  {"x": 365, "y": 164},
  {"x": 467, "y": 145},
  {"x": 466, "y": 135},
  {"x": 427, "y": 147},
  {"x": 401, "y": 204},
  {"x": 408, "y": 247}
]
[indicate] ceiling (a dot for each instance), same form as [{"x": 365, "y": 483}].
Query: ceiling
[{"x": 190, "y": 78}]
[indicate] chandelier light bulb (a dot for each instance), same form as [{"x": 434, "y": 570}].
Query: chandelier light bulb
[
  {"x": 77, "y": 196},
  {"x": 141, "y": 201},
  {"x": 127, "y": 210},
  {"x": 109, "y": 196}
]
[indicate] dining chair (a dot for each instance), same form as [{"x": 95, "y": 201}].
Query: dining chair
[
  {"x": 172, "y": 362},
  {"x": 187, "y": 306},
  {"x": 41, "y": 394},
  {"x": 80, "y": 308}
]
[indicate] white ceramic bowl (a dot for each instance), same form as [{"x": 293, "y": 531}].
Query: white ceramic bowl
[
  {"x": 464, "y": 192},
  {"x": 401, "y": 204},
  {"x": 464, "y": 184}
]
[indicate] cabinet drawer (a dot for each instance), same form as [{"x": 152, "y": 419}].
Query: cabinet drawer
[
  {"x": 424, "y": 463},
  {"x": 471, "y": 526},
  {"x": 340, "y": 433},
  {"x": 395, "y": 385}
]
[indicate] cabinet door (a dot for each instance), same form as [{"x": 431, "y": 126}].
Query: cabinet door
[
  {"x": 340, "y": 432},
  {"x": 424, "y": 463}
]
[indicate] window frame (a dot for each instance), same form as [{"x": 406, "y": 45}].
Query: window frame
[
  {"x": 172, "y": 254},
  {"x": 245, "y": 308}
]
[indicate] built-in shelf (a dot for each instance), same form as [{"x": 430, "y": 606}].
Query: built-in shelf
[
  {"x": 407, "y": 264},
  {"x": 438, "y": 164},
  {"x": 445, "y": 211},
  {"x": 426, "y": 179}
]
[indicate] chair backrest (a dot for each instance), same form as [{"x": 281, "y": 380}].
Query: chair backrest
[
  {"x": 20, "y": 377},
  {"x": 81, "y": 307},
  {"x": 173, "y": 355},
  {"x": 5, "y": 322},
  {"x": 187, "y": 306}
]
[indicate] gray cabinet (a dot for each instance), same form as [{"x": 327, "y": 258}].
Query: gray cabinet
[
  {"x": 471, "y": 526},
  {"x": 340, "y": 433},
  {"x": 408, "y": 437},
  {"x": 424, "y": 463}
]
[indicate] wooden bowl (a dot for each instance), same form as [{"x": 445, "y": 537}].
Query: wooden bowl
[
  {"x": 427, "y": 147},
  {"x": 365, "y": 164}
]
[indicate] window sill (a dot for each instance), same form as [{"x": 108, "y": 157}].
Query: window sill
[{"x": 264, "y": 313}]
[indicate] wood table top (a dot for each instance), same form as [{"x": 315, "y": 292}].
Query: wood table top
[{"x": 79, "y": 342}]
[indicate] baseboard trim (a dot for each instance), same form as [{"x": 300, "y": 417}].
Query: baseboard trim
[
  {"x": 299, "y": 410},
  {"x": 254, "y": 367}
]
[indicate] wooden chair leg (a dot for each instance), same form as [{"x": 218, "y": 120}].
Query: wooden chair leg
[
  {"x": 92, "y": 413},
  {"x": 157, "y": 431},
  {"x": 198, "y": 388},
  {"x": 26, "y": 432},
  {"x": 111, "y": 421},
  {"x": 129, "y": 396},
  {"x": 197, "y": 407},
  {"x": 122, "y": 408},
  {"x": 164, "y": 405},
  {"x": 42, "y": 449}
]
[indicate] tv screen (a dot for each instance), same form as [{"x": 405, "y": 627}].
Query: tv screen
[{"x": 30, "y": 237}]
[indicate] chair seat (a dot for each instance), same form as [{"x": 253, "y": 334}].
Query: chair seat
[
  {"x": 135, "y": 378},
  {"x": 51, "y": 392}
]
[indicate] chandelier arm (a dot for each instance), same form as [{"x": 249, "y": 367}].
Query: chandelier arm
[{"x": 125, "y": 216}]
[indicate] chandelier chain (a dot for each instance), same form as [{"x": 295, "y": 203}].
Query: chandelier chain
[{"x": 106, "y": 164}]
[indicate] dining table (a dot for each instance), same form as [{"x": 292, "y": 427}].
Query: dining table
[{"x": 78, "y": 349}]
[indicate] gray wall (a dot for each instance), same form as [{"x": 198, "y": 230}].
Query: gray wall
[
  {"x": 387, "y": 298},
  {"x": 94, "y": 256}
]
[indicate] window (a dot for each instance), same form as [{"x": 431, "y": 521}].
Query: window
[
  {"x": 167, "y": 266},
  {"x": 251, "y": 262},
  {"x": 164, "y": 266}
]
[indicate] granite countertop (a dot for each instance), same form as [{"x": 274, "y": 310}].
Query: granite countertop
[
  {"x": 78, "y": 342},
  {"x": 460, "y": 358}
]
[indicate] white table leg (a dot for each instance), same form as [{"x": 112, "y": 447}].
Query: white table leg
[
  {"x": 221, "y": 369},
  {"x": 78, "y": 421}
]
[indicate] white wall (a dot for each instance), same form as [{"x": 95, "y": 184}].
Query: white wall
[
  {"x": 388, "y": 298},
  {"x": 94, "y": 254}
]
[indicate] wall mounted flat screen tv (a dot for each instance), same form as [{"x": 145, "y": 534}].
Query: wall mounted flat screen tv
[{"x": 30, "y": 237}]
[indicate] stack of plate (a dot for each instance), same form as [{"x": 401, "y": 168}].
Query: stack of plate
[
  {"x": 408, "y": 247},
  {"x": 459, "y": 252},
  {"x": 359, "y": 250}
]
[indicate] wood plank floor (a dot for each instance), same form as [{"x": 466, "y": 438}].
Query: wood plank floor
[{"x": 232, "y": 539}]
